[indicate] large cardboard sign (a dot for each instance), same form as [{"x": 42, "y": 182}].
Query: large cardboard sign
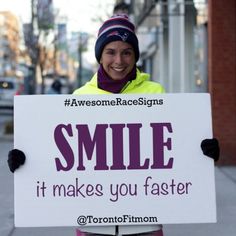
[{"x": 113, "y": 160}]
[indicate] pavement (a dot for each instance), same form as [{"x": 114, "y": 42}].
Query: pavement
[{"x": 225, "y": 177}]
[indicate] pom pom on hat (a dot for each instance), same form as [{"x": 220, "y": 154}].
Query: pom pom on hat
[{"x": 117, "y": 28}]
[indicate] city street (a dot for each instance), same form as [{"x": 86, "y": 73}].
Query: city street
[{"x": 225, "y": 192}]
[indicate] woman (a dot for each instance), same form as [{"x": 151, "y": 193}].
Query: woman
[{"x": 117, "y": 52}]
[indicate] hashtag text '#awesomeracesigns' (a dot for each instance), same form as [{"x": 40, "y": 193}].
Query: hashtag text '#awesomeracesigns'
[{"x": 114, "y": 102}]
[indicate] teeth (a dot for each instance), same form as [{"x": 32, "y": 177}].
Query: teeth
[{"x": 118, "y": 69}]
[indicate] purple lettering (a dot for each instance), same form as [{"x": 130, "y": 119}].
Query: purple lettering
[
  {"x": 87, "y": 144},
  {"x": 134, "y": 148},
  {"x": 158, "y": 146},
  {"x": 64, "y": 147},
  {"x": 94, "y": 146},
  {"x": 117, "y": 147}
]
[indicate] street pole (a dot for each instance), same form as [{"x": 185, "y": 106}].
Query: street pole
[
  {"x": 80, "y": 68},
  {"x": 34, "y": 48}
]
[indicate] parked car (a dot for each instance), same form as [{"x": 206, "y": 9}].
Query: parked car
[{"x": 9, "y": 86}]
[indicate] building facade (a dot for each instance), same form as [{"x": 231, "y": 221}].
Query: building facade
[
  {"x": 9, "y": 43},
  {"x": 189, "y": 46},
  {"x": 222, "y": 75}
]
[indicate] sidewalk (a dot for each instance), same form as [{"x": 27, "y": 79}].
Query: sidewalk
[{"x": 225, "y": 196}]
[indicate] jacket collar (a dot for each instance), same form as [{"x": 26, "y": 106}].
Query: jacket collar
[{"x": 140, "y": 77}]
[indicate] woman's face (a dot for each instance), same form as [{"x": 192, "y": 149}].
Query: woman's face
[{"x": 118, "y": 59}]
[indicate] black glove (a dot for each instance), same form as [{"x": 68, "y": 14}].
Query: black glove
[
  {"x": 15, "y": 159},
  {"x": 210, "y": 148}
]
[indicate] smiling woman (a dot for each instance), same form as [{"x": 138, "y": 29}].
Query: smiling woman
[{"x": 117, "y": 51}]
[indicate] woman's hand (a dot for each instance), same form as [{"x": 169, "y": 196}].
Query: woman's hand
[
  {"x": 210, "y": 148},
  {"x": 16, "y": 158}
]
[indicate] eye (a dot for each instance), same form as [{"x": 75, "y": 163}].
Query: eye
[
  {"x": 127, "y": 52},
  {"x": 110, "y": 52}
]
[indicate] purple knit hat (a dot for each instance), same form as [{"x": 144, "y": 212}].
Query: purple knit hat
[{"x": 117, "y": 28}]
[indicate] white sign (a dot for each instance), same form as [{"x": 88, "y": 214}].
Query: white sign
[{"x": 113, "y": 160}]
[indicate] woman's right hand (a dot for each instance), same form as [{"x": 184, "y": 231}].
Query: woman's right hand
[{"x": 16, "y": 158}]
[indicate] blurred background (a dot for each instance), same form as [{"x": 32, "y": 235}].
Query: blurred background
[{"x": 186, "y": 45}]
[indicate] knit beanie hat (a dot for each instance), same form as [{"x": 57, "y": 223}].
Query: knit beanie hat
[{"x": 117, "y": 28}]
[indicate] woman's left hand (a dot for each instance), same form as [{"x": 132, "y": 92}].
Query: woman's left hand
[{"x": 211, "y": 148}]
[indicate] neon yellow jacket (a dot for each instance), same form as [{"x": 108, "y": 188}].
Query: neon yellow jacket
[{"x": 140, "y": 85}]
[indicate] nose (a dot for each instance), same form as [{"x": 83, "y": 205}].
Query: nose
[{"x": 118, "y": 58}]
